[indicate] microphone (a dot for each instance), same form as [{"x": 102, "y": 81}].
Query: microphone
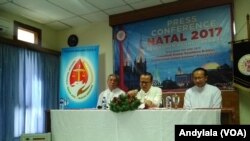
[{"x": 99, "y": 107}]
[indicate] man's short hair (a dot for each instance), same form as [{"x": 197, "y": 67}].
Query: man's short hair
[
  {"x": 116, "y": 77},
  {"x": 149, "y": 74},
  {"x": 200, "y": 69}
]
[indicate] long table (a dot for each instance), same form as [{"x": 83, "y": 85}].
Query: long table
[{"x": 138, "y": 125}]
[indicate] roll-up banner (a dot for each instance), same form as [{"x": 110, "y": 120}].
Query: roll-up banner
[{"x": 79, "y": 77}]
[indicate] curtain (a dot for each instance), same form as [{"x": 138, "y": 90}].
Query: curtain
[{"x": 29, "y": 84}]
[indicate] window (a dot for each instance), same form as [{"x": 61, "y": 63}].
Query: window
[{"x": 26, "y": 33}]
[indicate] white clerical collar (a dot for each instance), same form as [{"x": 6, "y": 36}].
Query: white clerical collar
[
  {"x": 113, "y": 90},
  {"x": 200, "y": 88},
  {"x": 147, "y": 91}
]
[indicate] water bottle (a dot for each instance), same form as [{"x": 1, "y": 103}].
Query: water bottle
[
  {"x": 61, "y": 103},
  {"x": 168, "y": 102},
  {"x": 104, "y": 103}
]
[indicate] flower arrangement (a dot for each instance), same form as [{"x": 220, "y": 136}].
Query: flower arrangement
[{"x": 124, "y": 103}]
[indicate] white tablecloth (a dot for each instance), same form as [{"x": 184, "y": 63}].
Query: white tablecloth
[{"x": 139, "y": 125}]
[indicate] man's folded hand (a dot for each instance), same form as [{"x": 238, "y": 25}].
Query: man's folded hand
[{"x": 132, "y": 92}]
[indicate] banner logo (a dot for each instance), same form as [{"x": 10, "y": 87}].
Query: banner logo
[
  {"x": 244, "y": 64},
  {"x": 79, "y": 79}
]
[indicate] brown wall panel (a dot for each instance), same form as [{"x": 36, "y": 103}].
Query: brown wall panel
[{"x": 230, "y": 103}]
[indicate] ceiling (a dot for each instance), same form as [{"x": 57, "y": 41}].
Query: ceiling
[{"x": 64, "y": 14}]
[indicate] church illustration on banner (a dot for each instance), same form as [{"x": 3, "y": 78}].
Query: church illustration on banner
[{"x": 219, "y": 75}]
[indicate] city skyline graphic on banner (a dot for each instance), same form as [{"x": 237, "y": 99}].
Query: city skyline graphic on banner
[{"x": 171, "y": 47}]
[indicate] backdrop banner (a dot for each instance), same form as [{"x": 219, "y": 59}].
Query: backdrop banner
[
  {"x": 172, "y": 46},
  {"x": 79, "y": 77},
  {"x": 241, "y": 55}
]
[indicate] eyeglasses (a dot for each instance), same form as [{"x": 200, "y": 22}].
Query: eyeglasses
[
  {"x": 198, "y": 78},
  {"x": 144, "y": 82}
]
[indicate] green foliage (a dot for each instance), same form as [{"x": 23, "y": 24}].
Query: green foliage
[{"x": 124, "y": 103}]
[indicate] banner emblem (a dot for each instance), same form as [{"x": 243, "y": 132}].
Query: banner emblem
[
  {"x": 79, "y": 79},
  {"x": 244, "y": 65}
]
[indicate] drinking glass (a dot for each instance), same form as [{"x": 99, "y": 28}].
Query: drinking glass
[
  {"x": 176, "y": 100},
  {"x": 162, "y": 103},
  {"x": 168, "y": 102}
]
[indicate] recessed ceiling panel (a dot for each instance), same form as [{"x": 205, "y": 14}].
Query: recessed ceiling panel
[
  {"x": 44, "y": 8},
  {"x": 75, "y": 6},
  {"x": 62, "y": 14},
  {"x": 146, "y": 3},
  {"x": 118, "y": 10},
  {"x": 3, "y": 1},
  {"x": 107, "y": 4},
  {"x": 74, "y": 21},
  {"x": 133, "y": 1},
  {"x": 17, "y": 10},
  {"x": 58, "y": 26},
  {"x": 96, "y": 17},
  {"x": 168, "y": 1}
]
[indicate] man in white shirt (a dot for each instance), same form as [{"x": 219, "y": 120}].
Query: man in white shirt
[
  {"x": 202, "y": 95},
  {"x": 149, "y": 95},
  {"x": 112, "y": 91}
]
